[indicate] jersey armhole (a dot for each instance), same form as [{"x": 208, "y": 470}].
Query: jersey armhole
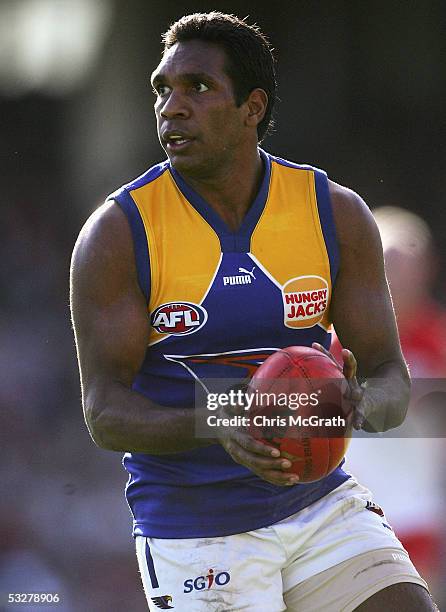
[
  {"x": 140, "y": 245},
  {"x": 325, "y": 210}
]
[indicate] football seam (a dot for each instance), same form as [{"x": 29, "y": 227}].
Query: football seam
[
  {"x": 278, "y": 375},
  {"x": 305, "y": 373}
]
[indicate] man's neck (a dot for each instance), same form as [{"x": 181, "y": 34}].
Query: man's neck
[{"x": 232, "y": 192}]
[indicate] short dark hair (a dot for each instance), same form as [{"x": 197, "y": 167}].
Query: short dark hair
[{"x": 250, "y": 61}]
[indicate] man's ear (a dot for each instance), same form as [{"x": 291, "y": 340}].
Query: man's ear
[{"x": 256, "y": 104}]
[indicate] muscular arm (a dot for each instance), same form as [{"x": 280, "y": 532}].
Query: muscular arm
[
  {"x": 363, "y": 315},
  {"x": 111, "y": 327},
  {"x": 112, "y": 331}
]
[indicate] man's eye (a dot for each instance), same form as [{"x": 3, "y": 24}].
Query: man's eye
[
  {"x": 161, "y": 90},
  {"x": 200, "y": 87}
]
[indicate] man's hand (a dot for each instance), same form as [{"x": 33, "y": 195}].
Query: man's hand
[
  {"x": 372, "y": 401},
  {"x": 354, "y": 393},
  {"x": 262, "y": 459}
]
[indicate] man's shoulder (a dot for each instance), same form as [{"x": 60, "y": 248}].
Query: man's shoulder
[
  {"x": 106, "y": 229},
  {"x": 344, "y": 196},
  {"x": 150, "y": 175},
  {"x": 353, "y": 218},
  {"x": 347, "y": 202}
]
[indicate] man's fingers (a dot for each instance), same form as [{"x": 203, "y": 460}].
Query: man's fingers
[
  {"x": 350, "y": 365},
  {"x": 280, "y": 479},
  {"x": 267, "y": 467},
  {"x": 359, "y": 415},
  {"x": 254, "y": 446},
  {"x": 322, "y": 349},
  {"x": 260, "y": 464},
  {"x": 352, "y": 390},
  {"x": 358, "y": 419}
]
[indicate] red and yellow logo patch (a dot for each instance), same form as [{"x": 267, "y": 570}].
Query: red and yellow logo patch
[{"x": 305, "y": 300}]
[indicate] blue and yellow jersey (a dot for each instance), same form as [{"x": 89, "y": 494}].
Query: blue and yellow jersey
[{"x": 219, "y": 302}]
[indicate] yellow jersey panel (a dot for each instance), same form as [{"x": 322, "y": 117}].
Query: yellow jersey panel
[
  {"x": 174, "y": 228},
  {"x": 299, "y": 262}
]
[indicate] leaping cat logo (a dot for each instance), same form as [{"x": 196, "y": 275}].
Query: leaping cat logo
[{"x": 245, "y": 271}]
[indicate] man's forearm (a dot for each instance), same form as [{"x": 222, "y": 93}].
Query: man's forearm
[
  {"x": 120, "y": 419},
  {"x": 386, "y": 397}
]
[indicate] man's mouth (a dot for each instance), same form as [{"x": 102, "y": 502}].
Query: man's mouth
[{"x": 176, "y": 141}]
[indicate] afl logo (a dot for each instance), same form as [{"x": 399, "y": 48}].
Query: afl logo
[
  {"x": 178, "y": 318},
  {"x": 305, "y": 300}
]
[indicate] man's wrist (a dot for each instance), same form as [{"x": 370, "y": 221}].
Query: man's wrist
[{"x": 384, "y": 403}]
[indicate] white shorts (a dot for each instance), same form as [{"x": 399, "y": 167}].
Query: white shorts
[{"x": 261, "y": 570}]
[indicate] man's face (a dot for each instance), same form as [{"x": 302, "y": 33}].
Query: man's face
[{"x": 199, "y": 124}]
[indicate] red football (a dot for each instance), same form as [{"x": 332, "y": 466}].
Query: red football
[{"x": 298, "y": 407}]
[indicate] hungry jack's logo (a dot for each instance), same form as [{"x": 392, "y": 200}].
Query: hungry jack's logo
[{"x": 305, "y": 301}]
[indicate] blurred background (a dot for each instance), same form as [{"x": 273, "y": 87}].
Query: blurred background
[{"x": 362, "y": 88}]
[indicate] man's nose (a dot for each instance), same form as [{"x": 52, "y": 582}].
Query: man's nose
[{"x": 175, "y": 105}]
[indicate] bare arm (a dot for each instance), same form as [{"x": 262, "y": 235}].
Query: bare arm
[
  {"x": 112, "y": 329},
  {"x": 363, "y": 315}
]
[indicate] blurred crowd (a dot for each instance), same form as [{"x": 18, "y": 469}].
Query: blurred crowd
[
  {"x": 64, "y": 524},
  {"x": 406, "y": 474}
]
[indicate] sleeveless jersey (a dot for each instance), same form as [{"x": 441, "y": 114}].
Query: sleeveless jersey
[{"x": 219, "y": 302}]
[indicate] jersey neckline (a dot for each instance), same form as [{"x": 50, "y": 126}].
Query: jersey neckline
[{"x": 238, "y": 241}]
